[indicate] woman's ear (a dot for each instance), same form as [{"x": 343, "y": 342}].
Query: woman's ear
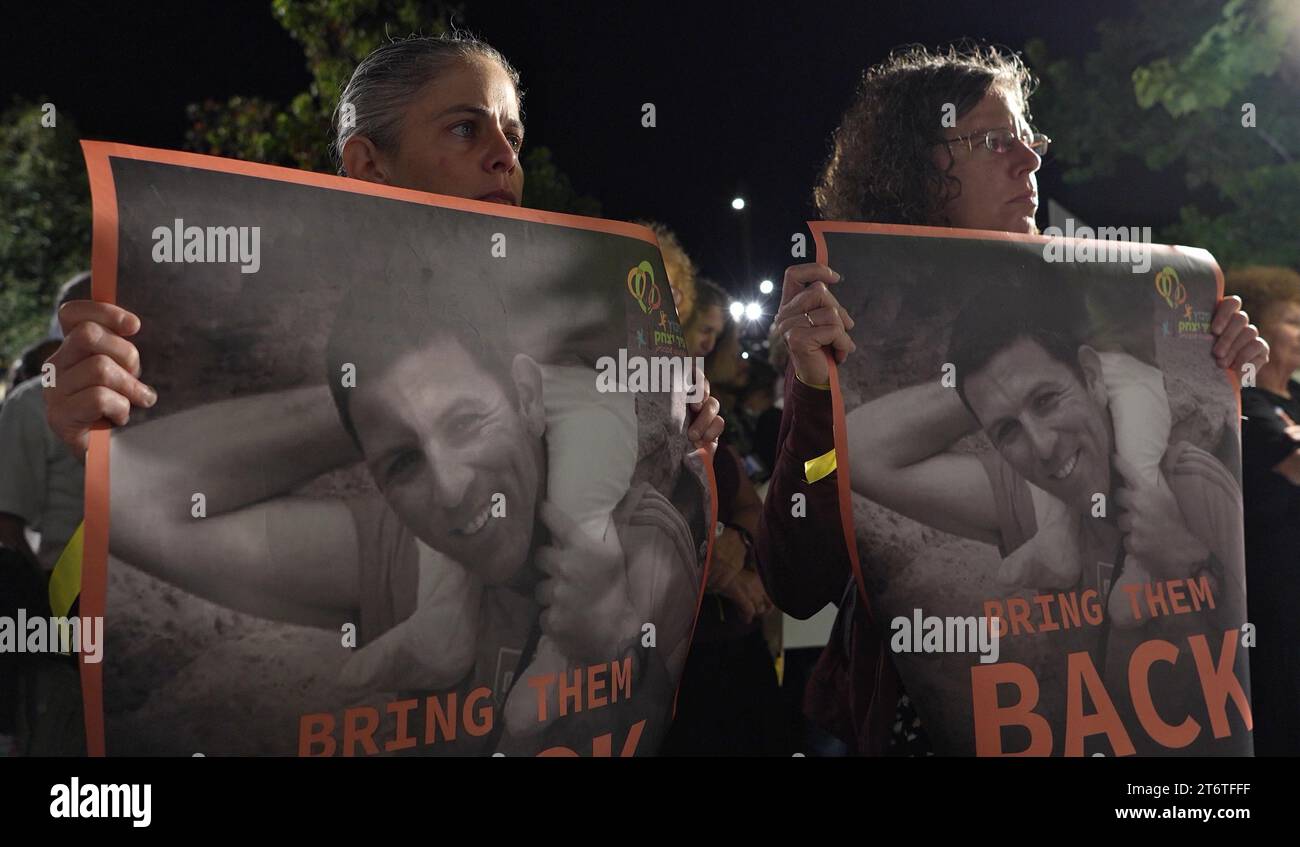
[
  {"x": 1093, "y": 375},
  {"x": 362, "y": 160},
  {"x": 528, "y": 384}
]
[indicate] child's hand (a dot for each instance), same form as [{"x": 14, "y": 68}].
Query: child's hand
[
  {"x": 1048, "y": 560},
  {"x": 585, "y": 595},
  {"x": 434, "y": 648},
  {"x": 1153, "y": 526}
]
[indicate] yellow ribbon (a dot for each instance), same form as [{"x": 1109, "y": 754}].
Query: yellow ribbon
[
  {"x": 65, "y": 582},
  {"x": 820, "y": 467}
]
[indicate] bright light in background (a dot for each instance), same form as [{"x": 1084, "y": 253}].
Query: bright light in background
[
  {"x": 765, "y": 287},
  {"x": 744, "y": 354},
  {"x": 738, "y": 203},
  {"x": 737, "y": 309},
  {"x": 753, "y": 311}
]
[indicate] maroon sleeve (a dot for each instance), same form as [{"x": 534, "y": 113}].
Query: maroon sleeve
[{"x": 803, "y": 560}]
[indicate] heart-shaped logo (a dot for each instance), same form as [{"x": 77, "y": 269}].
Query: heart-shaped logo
[
  {"x": 643, "y": 288},
  {"x": 1170, "y": 288}
]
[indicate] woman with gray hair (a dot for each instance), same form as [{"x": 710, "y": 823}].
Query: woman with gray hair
[{"x": 442, "y": 115}]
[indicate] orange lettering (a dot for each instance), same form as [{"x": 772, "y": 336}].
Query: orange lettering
[
  {"x": 1176, "y": 597},
  {"x": 990, "y": 717},
  {"x": 317, "y": 728},
  {"x": 541, "y": 683},
  {"x": 622, "y": 680},
  {"x": 1018, "y": 614},
  {"x": 1139, "y": 686},
  {"x": 444, "y": 715},
  {"x": 1219, "y": 683},
  {"x": 595, "y": 685},
  {"x": 478, "y": 721},
  {"x": 359, "y": 724},
  {"x": 401, "y": 708}
]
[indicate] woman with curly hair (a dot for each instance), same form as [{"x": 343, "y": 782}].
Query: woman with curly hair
[{"x": 894, "y": 161}]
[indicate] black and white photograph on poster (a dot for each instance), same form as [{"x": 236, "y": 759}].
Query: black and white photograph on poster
[
  {"x": 386, "y": 504},
  {"x": 1045, "y": 471}
]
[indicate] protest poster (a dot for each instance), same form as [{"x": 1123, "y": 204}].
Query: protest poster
[
  {"x": 416, "y": 483},
  {"x": 1040, "y": 489}
]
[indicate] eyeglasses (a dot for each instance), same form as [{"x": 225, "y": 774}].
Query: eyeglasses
[{"x": 1003, "y": 140}]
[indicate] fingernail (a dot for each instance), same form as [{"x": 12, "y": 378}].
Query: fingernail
[{"x": 150, "y": 397}]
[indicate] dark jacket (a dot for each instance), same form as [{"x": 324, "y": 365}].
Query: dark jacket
[{"x": 805, "y": 565}]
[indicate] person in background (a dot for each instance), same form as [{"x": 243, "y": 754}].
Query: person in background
[
  {"x": 894, "y": 162},
  {"x": 680, "y": 268},
  {"x": 40, "y": 482},
  {"x": 28, "y": 364},
  {"x": 77, "y": 288},
  {"x": 1270, "y": 467},
  {"x": 729, "y": 701},
  {"x": 41, "y": 499},
  {"x": 708, "y": 318},
  {"x": 728, "y": 370},
  {"x": 40, "y": 485},
  {"x": 756, "y": 412}
]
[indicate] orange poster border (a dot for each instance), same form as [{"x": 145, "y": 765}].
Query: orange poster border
[
  {"x": 839, "y": 421},
  {"x": 103, "y": 265}
]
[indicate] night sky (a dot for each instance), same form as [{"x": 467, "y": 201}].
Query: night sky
[{"x": 746, "y": 94}]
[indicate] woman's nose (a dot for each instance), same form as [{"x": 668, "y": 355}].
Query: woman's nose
[
  {"x": 502, "y": 156},
  {"x": 1024, "y": 160}
]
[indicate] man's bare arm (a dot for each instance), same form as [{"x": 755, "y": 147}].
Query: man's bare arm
[
  {"x": 293, "y": 559},
  {"x": 898, "y": 457}
]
